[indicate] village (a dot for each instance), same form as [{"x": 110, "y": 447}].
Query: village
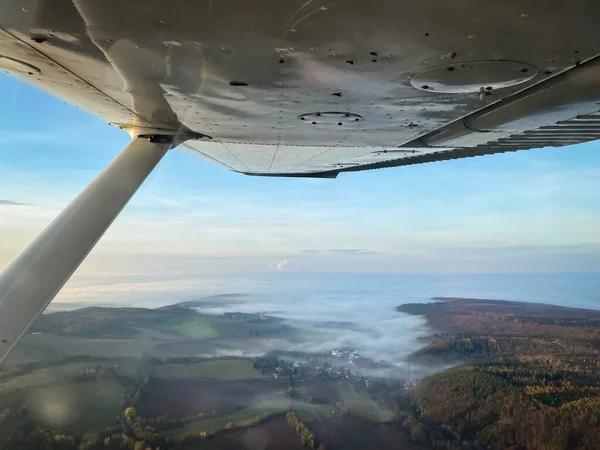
[{"x": 340, "y": 364}]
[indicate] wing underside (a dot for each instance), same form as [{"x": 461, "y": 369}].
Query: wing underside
[{"x": 297, "y": 88}]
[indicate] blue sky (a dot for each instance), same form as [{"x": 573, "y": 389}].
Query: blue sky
[{"x": 532, "y": 211}]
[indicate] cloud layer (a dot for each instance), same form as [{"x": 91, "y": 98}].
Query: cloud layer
[{"x": 11, "y": 203}]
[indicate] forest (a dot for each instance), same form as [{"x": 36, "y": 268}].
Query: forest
[{"x": 527, "y": 376}]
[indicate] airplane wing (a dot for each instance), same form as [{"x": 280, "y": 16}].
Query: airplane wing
[
  {"x": 319, "y": 87},
  {"x": 292, "y": 88}
]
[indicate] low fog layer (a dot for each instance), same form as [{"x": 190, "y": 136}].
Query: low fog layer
[
  {"x": 327, "y": 316},
  {"x": 328, "y": 311}
]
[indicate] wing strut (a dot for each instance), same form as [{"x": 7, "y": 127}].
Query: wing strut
[{"x": 32, "y": 280}]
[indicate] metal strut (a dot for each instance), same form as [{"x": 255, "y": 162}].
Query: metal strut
[{"x": 32, "y": 280}]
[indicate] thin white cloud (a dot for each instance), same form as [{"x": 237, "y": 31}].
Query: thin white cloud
[{"x": 12, "y": 203}]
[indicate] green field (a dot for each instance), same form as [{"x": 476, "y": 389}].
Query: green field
[
  {"x": 45, "y": 376},
  {"x": 361, "y": 402},
  {"x": 216, "y": 369},
  {"x": 128, "y": 367},
  {"x": 70, "y": 408},
  {"x": 196, "y": 326},
  {"x": 311, "y": 411},
  {"x": 62, "y": 398},
  {"x": 48, "y": 347},
  {"x": 248, "y": 416},
  {"x": 242, "y": 418},
  {"x": 78, "y": 408}
]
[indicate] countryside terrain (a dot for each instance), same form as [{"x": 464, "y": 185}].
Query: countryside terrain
[
  {"x": 508, "y": 375},
  {"x": 525, "y": 376}
]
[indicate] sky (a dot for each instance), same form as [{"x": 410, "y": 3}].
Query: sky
[{"x": 535, "y": 211}]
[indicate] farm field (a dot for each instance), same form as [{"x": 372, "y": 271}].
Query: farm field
[{"x": 217, "y": 369}]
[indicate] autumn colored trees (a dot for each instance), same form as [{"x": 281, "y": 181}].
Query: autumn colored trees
[
  {"x": 511, "y": 404},
  {"x": 307, "y": 436}
]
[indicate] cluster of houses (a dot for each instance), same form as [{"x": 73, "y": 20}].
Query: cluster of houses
[
  {"x": 343, "y": 363},
  {"x": 352, "y": 357}
]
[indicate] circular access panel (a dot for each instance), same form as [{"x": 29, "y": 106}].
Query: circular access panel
[
  {"x": 471, "y": 77},
  {"x": 330, "y": 118}
]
